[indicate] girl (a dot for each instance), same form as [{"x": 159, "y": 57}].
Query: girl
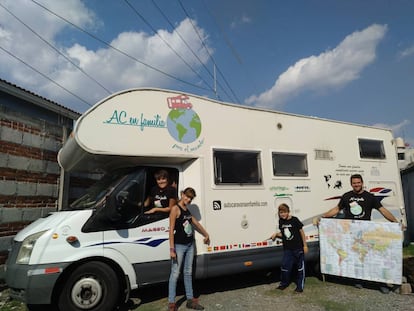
[{"x": 181, "y": 236}]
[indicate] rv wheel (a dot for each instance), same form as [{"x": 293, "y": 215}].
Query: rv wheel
[{"x": 92, "y": 286}]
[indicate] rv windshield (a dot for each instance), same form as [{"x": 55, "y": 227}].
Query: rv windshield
[{"x": 99, "y": 190}]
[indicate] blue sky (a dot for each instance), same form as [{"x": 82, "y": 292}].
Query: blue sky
[{"x": 347, "y": 60}]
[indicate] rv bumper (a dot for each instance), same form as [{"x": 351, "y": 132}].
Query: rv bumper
[{"x": 33, "y": 284}]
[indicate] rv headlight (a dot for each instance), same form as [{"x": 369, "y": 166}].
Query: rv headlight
[{"x": 27, "y": 247}]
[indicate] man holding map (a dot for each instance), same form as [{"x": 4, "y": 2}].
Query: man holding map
[{"x": 358, "y": 204}]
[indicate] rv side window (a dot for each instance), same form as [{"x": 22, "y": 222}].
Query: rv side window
[
  {"x": 289, "y": 164},
  {"x": 371, "y": 149},
  {"x": 237, "y": 167}
]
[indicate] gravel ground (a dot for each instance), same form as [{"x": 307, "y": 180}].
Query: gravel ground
[{"x": 257, "y": 292}]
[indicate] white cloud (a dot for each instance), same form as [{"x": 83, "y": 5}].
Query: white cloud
[
  {"x": 42, "y": 21},
  {"x": 244, "y": 19},
  {"x": 329, "y": 70},
  {"x": 397, "y": 129},
  {"x": 110, "y": 68},
  {"x": 120, "y": 72},
  {"x": 407, "y": 52}
]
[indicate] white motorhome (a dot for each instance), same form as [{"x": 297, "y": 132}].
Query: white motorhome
[
  {"x": 405, "y": 154},
  {"x": 242, "y": 161}
]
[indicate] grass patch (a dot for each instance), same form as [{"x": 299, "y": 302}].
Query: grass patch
[
  {"x": 337, "y": 306},
  {"x": 312, "y": 281},
  {"x": 13, "y": 306},
  {"x": 408, "y": 251},
  {"x": 324, "y": 295},
  {"x": 330, "y": 296}
]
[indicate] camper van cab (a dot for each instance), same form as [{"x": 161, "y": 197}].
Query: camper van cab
[{"x": 243, "y": 163}]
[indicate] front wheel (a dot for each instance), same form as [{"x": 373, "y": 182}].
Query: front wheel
[{"x": 92, "y": 286}]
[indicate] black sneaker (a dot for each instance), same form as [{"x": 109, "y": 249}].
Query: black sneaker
[
  {"x": 298, "y": 290},
  {"x": 281, "y": 287}
]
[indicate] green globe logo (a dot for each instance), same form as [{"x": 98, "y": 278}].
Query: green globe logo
[{"x": 184, "y": 125}]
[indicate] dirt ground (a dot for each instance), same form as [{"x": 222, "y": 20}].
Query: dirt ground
[{"x": 257, "y": 292}]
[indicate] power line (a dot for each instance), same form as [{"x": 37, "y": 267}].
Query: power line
[
  {"x": 224, "y": 35},
  {"x": 202, "y": 41},
  {"x": 184, "y": 41},
  {"x": 212, "y": 75},
  {"x": 45, "y": 76},
  {"x": 172, "y": 49},
  {"x": 120, "y": 51},
  {"x": 226, "y": 39},
  {"x": 55, "y": 49}
]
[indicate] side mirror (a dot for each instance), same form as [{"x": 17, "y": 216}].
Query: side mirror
[{"x": 122, "y": 198}]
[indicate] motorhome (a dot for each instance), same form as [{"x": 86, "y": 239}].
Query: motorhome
[
  {"x": 405, "y": 154},
  {"x": 243, "y": 163}
]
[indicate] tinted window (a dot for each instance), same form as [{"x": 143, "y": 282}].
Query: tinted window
[
  {"x": 237, "y": 167},
  {"x": 371, "y": 149},
  {"x": 289, "y": 164}
]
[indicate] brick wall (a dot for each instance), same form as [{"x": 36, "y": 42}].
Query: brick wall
[
  {"x": 32, "y": 130},
  {"x": 29, "y": 172}
]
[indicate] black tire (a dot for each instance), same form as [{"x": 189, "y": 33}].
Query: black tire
[{"x": 92, "y": 286}]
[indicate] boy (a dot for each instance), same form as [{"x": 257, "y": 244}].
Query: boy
[
  {"x": 162, "y": 196},
  {"x": 294, "y": 248}
]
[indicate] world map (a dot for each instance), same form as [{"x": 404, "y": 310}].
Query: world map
[
  {"x": 184, "y": 125},
  {"x": 360, "y": 249}
]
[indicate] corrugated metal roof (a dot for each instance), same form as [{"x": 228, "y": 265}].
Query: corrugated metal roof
[{"x": 43, "y": 102}]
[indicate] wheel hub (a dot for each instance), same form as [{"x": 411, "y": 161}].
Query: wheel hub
[{"x": 86, "y": 293}]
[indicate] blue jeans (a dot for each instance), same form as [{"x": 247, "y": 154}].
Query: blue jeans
[
  {"x": 184, "y": 253},
  {"x": 291, "y": 259}
]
